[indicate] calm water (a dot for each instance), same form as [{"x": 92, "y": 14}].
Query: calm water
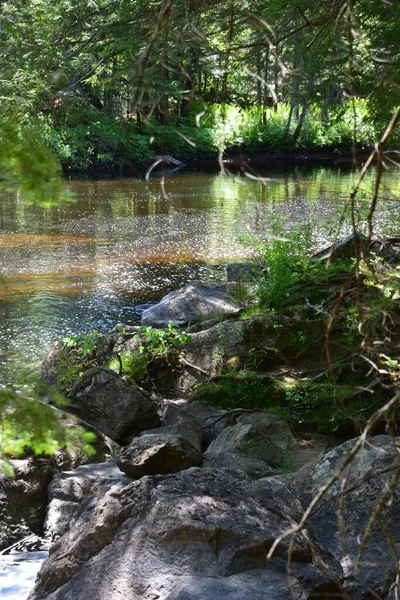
[{"x": 86, "y": 265}]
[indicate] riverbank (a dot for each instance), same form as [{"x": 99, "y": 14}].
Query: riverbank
[{"x": 97, "y": 142}]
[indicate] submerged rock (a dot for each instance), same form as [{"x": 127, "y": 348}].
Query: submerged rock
[{"x": 191, "y": 304}]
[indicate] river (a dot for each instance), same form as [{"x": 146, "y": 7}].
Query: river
[{"x": 87, "y": 264}]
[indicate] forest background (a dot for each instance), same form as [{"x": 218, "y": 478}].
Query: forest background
[{"x": 112, "y": 83}]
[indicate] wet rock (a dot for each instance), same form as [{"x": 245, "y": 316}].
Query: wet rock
[
  {"x": 256, "y": 443},
  {"x": 103, "y": 399},
  {"x": 191, "y": 304},
  {"x": 161, "y": 452},
  {"x": 374, "y": 469},
  {"x": 195, "y": 534}
]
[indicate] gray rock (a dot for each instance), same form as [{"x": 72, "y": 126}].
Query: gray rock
[
  {"x": 182, "y": 423},
  {"x": 23, "y": 497},
  {"x": 69, "y": 491},
  {"x": 345, "y": 248},
  {"x": 164, "y": 537},
  {"x": 191, "y": 304},
  {"x": 372, "y": 471},
  {"x": 259, "y": 584},
  {"x": 256, "y": 443},
  {"x": 103, "y": 399},
  {"x": 158, "y": 453},
  {"x": 206, "y": 349},
  {"x": 211, "y": 420}
]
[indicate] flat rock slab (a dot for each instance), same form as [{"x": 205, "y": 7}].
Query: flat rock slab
[
  {"x": 103, "y": 399},
  {"x": 197, "y": 534},
  {"x": 192, "y": 304}
]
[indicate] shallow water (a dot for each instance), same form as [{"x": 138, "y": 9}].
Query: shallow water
[
  {"x": 87, "y": 265},
  {"x": 18, "y": 573}
]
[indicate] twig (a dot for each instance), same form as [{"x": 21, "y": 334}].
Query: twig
[{"x": 374, "y": 419}]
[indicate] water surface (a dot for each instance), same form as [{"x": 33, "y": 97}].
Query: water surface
[{"x": 87, "y": 265}]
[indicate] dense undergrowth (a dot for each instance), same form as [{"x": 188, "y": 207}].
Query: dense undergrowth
[
  {"x": 87, "y": 138},
  {"x": 342, "y": 323}
]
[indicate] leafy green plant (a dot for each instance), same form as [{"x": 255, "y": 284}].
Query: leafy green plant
[
  {"x": 133, "y": 366},
  {"x": 27, "y": 422},
  {"x": 83, "y": 343},
  {"x": 161, "y": 343},
  {"x": 240, "y": 389},
  {"x": 155, "y": 347}
]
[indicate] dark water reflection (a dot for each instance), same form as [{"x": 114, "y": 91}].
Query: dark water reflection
[{"x": 86, "y": 265}]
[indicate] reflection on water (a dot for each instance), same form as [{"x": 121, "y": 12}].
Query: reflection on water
[{"x": 86, "y": 264}]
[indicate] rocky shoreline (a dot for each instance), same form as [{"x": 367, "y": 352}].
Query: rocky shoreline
[{"x": 187, "y": 499}]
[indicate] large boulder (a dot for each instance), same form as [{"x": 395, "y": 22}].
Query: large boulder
[
  {"x": 69, "y": 491},
  {"x": 356, "y": 495},
  {"x": 191, "y": 304},
  {"x": 197, "y": 534},
  {"x": 103, "y": 399},
  {"x": 211, "y": 420},
  {"x": 179, "y": 421},
  {"x": 256, "y": 444}
]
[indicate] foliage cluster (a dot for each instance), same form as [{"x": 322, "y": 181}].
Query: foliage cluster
[
  {"x": 27, "y": 422},
  {"x": 108, "y": 77},
  {"x": 288, "y": 270},
  {"x": 95, "y": 140},
  {"x": 319, "y": 405},
  {"x": 153, "y": 348}
]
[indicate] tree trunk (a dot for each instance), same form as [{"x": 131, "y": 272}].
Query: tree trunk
[
  {"x": 287, "y": 128},
  {"x": 299, "y": 127},
  {"x": 267, "y": 95}
]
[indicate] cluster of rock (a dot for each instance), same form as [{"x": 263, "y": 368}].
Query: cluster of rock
[
  {"x": 191, "y": 498},
  {"x": 189, "y": 511}
]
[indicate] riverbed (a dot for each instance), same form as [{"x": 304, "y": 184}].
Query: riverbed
[{"x": 90, "y": 263}]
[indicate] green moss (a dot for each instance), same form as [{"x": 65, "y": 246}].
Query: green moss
[{"x": 304, "y": 403}]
